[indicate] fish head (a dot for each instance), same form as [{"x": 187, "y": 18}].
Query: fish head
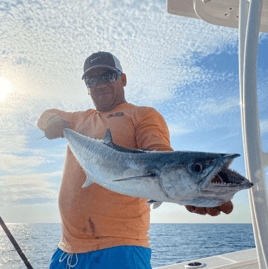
[
  {"x": 223, "y": 186},
  {"x": 202, "y": 179}
]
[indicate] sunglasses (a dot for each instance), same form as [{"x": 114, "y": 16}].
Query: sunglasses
[{"x": 107, "y": 77}]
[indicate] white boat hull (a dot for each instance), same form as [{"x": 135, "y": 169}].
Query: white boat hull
[{"x": 245, "y": 259}]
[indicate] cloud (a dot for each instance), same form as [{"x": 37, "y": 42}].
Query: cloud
[
  {"x": 57, "y": 153},
  {"x": 264, "y": 126},
  {"x": 213, "y": 107},
  {"x": 43, "y": 48},
  {"x": 12, "y": 142},
  {"x": 14, "y": 163},
  {"x": 54, "y": 39},
  {"x": 20, "y": 180},
  {"x": 34, "y": 200},
  {"x": 177, "y": 129},
  {"x": 28, "y": 188},
  {"x": 152, "y": 45},
  {"x": 43, "y": 59}
]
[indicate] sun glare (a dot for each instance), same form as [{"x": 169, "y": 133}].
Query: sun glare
[{"x": 5, "y": 88}]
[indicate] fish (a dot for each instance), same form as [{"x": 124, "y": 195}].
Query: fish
[{"x": 201, "y": 179}]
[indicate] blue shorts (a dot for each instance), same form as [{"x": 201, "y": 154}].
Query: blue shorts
[{"x": 122, "y": 257}]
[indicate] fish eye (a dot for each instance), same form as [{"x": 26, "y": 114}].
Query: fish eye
[{"x": 197, "y": 168}]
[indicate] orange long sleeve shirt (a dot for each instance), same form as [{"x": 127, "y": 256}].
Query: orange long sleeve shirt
[{"x": 95, "y": 218}]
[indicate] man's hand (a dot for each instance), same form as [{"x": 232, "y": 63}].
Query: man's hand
[
  {"x": 226, "y": 208},
  {"x": 55, "y": 127}
]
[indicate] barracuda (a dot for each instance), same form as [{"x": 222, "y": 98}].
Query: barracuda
[{"x": 184, "y": 177}]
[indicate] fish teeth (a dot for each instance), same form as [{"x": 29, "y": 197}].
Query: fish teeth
[{"x": 222, "y": 183}]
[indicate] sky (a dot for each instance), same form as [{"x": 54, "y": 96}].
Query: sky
[{"x": 185, "y": 68}]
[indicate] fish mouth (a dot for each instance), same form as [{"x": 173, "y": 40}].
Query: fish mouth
[
  {"x": 220, "y": 179},
  {"x": 226, "y": 177}
]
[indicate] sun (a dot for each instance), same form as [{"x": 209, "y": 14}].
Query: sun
[{"x": 5, "y": 88}]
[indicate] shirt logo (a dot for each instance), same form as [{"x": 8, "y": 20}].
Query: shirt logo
[
  {"x": 94, "y": 59},
  {"x": 118, "y": 114}
]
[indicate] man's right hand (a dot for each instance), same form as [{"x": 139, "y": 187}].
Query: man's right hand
[{"x": 55, "y": 127}]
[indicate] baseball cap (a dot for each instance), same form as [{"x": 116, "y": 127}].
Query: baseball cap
[{"x": 102, "y": 59}]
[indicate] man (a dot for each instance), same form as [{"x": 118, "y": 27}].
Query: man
[{"x": 101, "y": 228}]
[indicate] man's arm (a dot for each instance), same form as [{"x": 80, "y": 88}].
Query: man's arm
[
  {"x": 53, "y": 121},
  {"x": 152, "y": 131}
]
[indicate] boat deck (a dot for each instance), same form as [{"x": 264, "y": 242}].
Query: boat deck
[{"x": 246, "y": 259}]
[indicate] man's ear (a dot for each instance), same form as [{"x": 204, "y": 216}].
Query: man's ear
[{"x": 124, "y": 79}]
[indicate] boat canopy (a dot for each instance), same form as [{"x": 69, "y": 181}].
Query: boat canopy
[{"x": 218, "y": 12}]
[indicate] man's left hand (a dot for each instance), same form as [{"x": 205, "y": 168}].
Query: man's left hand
[{"x": 226, "y": 208}]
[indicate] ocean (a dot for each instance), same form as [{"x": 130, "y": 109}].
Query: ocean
[{"x": 171, "y": 243}]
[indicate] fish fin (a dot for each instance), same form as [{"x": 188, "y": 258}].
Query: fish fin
[
  {"x": 108, "y": 141},
  {"x": 155, "y": 204},
  {"x": 108, "y": 137},
  {"x": 89, "y": 181},
  {"x": 137, "y": 178}
]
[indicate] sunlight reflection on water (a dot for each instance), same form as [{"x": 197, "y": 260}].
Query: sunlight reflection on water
[{"x": 170, "y": 243}]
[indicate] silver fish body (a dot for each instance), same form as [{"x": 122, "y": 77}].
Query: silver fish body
[{"x": 182, "y": 177}]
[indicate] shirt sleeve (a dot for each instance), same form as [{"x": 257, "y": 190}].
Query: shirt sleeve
[
  {"x": 152, "y": 131},
  {"x": 49, "y": 115}
]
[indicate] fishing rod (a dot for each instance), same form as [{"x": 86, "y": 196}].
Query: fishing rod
[
  {"x": 15, "y": 244},
  {"x": 39, "y": 138}
]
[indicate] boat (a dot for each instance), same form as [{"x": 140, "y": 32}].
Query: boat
[{"x": 249, "y": 17}]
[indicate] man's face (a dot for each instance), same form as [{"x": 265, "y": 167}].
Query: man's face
[{"x": 107, "y": 96}]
